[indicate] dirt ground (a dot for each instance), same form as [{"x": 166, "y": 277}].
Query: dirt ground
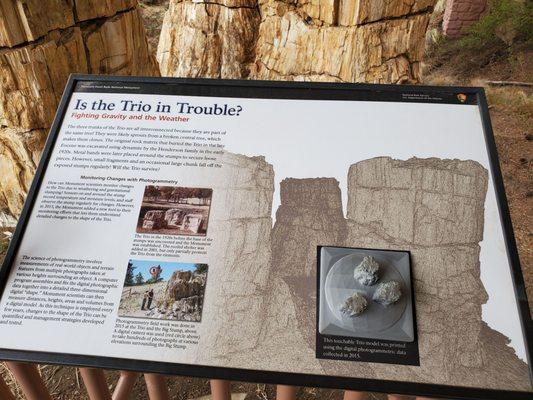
[{"x": 511, "y": 111}]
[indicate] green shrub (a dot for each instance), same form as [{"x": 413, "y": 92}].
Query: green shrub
[{"x": 512, "y": 18}]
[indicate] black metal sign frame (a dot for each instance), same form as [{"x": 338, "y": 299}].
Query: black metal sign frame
[{"x": 282, "y": 90}]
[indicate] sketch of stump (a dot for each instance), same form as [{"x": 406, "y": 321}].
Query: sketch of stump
[
  {"x": 432, "y": 207},
  {"x": 241, "y": 220},
  {"x": 435, "y": 209},
  {"x": 310, "y": 214},
  {"x": 266, "y": 286}
]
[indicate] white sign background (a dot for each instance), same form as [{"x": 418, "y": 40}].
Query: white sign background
[{"x": 301, "y": 139}]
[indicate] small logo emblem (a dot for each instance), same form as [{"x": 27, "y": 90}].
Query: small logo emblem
[{"x": 461, "y": 97}]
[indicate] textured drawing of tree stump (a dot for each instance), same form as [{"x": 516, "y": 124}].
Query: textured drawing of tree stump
[
  {"x": 41, "y": 43},
  {"x": 432, "y": 207},
  {"x": 435, "y": 209},
  {"x": 310, "y": 215},
  {"x": 323, "y": 40},
  {"x": 241, "y": 222}
]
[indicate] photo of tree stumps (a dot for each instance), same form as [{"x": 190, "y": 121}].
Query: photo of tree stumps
[
  {"x": 163, "y": 290},
  {"x": 170, "y": 210}
]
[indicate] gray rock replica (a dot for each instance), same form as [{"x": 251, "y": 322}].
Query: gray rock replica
[
  {"x": 354, "y": 305},
  {"x": 387, "y": 293},
  {"x": 366, "y": 273}
]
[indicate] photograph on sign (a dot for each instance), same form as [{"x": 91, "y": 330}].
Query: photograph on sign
[
  {"x": 163, "y": 290},
  {"x": 168, "y": 210}
]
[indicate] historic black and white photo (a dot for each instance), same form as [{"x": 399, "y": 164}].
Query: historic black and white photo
[{"x": 170, "y": 210}]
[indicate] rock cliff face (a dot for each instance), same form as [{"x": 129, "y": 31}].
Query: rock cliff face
[
  {"x": 41, "y": 43},
  {"x": 208, "y": 39},
  {"x": 241, "y": 222},
  {"x": 324, "y": 40}
]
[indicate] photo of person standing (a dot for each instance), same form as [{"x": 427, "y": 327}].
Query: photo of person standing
[
  {"x": 150, "y": 299},
  {"x": 145, "y": 298}
]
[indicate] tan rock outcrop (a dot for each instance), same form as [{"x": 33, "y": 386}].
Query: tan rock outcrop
[
  {"x": 19, "y": 155},
  {"x": 208, "y": 39},
  {"x": 183, "y": 298},
  {"x": 27, "y": 20},
  {"x": 63, "y": 37},
  {"x": 324, "y": 40}
]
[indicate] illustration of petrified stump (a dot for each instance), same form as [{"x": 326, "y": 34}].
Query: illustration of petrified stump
[
  {"x": 435, "y": 209},
  {"x": 241, "y": 222},
  {"x": 310, "y": 214},
  {"x": 432, "y": 207},
  {"x": 41, "y": 43}
]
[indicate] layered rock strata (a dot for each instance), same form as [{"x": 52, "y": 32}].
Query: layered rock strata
[
  {"x": 324, "y": 40},
  {"x": 41, "y": 44}
]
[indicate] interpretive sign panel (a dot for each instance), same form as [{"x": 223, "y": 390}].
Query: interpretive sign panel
[{"x": 347, "y": 236}]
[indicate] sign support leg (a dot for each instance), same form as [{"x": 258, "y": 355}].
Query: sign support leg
[
  {"x": 125, "y": 385},
  {"x": 5, "y": 393},
  {"x": 95, "y": 383},
  {"x": 156, "y": 386},
  {"x": 352, "y": 395},
  {"x": 29, "y": 379},
  {"x": 220, "y": 389},
  {"x": 284, "y": 392}
]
